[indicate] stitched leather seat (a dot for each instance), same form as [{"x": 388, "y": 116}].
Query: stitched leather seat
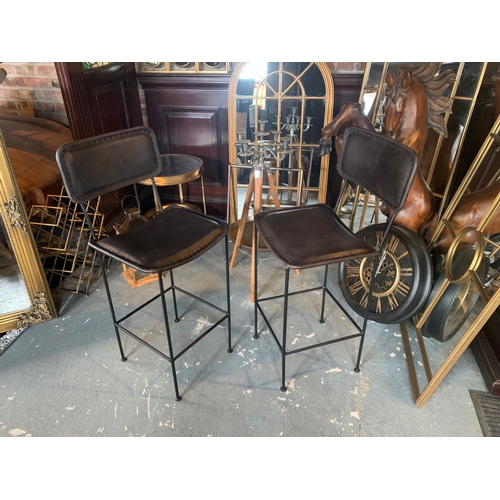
[
  {"x": 292, "y": 235},
  {"x": 171, "y": 239}
]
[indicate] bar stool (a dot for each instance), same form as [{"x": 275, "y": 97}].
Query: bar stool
[
  {"x": 178, "y": 169},
  {"x": 313, "y": 235},
  {"x": 175, "y": 236}
]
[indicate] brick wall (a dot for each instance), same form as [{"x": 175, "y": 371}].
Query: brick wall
[{"x": 32, "y": 89}]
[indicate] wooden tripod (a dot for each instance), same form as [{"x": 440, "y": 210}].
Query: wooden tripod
[{"x": 254, "y": 189}]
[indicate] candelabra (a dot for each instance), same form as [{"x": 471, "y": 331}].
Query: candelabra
[
  {"x": 259, "y": 153},
  {"x": 258, "y": 156},
  {"x": 293, "y": 125}
]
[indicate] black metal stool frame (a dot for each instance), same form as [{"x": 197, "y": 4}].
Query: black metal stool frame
[
  {"x": 378, "y": 255},
  {"x": 148, "y": 148},
  {"x": 324, "y": 288},
  {"x": 171, "y": 357}
]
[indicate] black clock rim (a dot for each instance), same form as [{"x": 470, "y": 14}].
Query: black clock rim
[
  {"x": 435, "y": 324},
  {"x": 422, "y": 283}
]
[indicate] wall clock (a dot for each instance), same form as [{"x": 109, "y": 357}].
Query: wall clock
[
  {"x": 403, "y": 283},
  {"x": 457, "y": 301}
]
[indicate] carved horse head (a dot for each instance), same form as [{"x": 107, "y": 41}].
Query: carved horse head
[
  {"x": 414, "y": 101},
  {"x": 405, "y": 109},
  {"x": 394, "y": 105}
]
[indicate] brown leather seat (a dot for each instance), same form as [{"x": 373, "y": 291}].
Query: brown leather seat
[
  {"x": 311, "y": 236},
  {"x": 175, "y": 236}
]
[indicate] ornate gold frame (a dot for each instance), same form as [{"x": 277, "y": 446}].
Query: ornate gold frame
[{"x": 13, "y": 213}]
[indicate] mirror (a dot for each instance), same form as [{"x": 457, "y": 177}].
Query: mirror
[
  {"x": 25, "y": 297},
  {"x": 294, "y": 98},
  {"x": 276, "y": 112}
]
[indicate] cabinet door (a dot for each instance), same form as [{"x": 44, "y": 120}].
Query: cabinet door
[
  {"x": 189, "y": 116},
  {"x": 99, "y": 100}
]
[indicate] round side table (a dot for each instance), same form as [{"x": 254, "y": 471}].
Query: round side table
[{"x": 178, "y": 169}]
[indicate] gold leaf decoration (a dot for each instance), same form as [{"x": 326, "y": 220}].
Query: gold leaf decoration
[
  {"x": 38, "y": 312},
  {"x": 13, "y": 211}
]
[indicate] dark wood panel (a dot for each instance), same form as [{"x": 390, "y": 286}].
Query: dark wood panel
[
  {"x": 108, "y": 108},
  {"x": 75, "y": 101},
  {"x": 346, "y": 88},
  {"x": 195, "y": 131},
  {"x": 189, "y": 116},
  {"x": 81, "y": 89}
]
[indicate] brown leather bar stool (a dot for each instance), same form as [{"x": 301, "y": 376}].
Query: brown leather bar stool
[
  {"x": 178, "y": 169},
  {"x": 313, "y": 235},
  {"x": 175, "y": 236}
]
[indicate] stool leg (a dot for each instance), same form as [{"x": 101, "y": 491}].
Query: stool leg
[
  {"x": 322, "y": 317},
  {"x": 111, "y": 308},
  {"x": 367, "y": 312},
  {"x": 203, "y": 196},
  {"x": 255, "y": 302},
  {"x": 169, "y": 339},
  {"x": 285, "y": 316},
  {"x": 228, "y": 294},
  {"x": 173, "y": 296}
]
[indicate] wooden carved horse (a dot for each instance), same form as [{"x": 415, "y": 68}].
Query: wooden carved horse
[{"x": 413, "y": 102}]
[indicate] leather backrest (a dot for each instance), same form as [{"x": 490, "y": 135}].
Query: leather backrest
[
  {"x": 97, "y": 165},
  {"x": 381, "y": 165}
]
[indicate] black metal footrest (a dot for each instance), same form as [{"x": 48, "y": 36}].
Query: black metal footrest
[
  {"x": 191, "y": 344},
  {"x": 320, "y": 344}
]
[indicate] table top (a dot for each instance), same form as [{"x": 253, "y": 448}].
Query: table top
[{"x": 177, "y": 169}]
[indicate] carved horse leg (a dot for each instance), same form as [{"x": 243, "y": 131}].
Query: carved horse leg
[{"x": 350, "y": 112}]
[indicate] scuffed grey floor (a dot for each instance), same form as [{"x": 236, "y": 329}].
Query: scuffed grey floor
[{"x": 65, "y": 377}]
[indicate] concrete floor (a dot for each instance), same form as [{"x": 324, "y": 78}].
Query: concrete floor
[{"x": 65, "y": 377}]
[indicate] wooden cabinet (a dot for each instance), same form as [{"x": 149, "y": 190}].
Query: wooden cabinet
[{"x": 189, "y": 116}]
